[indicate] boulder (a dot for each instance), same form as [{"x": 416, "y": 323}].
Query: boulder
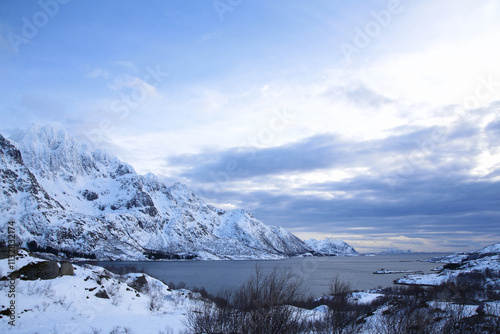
[
  {"x": 43, "y": 270},
  {"x": 66, "y": 269},
  {"x": 39, "y": 270}
]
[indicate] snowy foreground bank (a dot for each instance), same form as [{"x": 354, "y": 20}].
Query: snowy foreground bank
[
  {"x": 93, "y": 300},
  {"x": 90, "y": 299}
]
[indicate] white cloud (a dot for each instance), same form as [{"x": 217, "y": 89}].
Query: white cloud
[
  {"x": 98, "y": 73},
  {"x": 127, "y": 65},
  {"x": 134, "y": 85}
]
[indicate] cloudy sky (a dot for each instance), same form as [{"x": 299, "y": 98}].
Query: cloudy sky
[{"x": 375, "y": 122}]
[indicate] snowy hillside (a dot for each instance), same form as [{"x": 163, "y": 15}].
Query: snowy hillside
[
  {"x": 330, "y": 247},
  {"x": 93, "y": 300},
  {"x": 457, "y": 264},
  {"x": 64, "y": 197}
]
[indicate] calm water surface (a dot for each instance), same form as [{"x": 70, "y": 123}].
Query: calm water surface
[{"x": 315, "y": 271}]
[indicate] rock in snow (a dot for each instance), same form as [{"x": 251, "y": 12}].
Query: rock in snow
[{"x": 65, "y": 198}]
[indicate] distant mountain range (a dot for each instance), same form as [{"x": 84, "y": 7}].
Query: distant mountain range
[
  {"x": 395, "y": 251},
  {"x": 68, "y": 200}
]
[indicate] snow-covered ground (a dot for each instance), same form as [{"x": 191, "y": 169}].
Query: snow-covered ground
[
  {"x": 365, "y": 297},
  {"x": 137, "y": 303}
]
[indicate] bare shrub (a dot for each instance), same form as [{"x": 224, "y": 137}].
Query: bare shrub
[
  {"x": 261, "y": 305},
  {"x": 342, "y": 315},
  {"x": 166, "y": 330},
  {"x": 114, "y": 294},
  {"x": 155, "y": 302},
  {"x": 407, "y": 315},
  {"x": 36, "y": 288},
  {"x": 210, "y": 318},
  {"x": 459, "y": 321},
  {"x": 121, "y": 330},
  {"x": 154, "y": 291}
]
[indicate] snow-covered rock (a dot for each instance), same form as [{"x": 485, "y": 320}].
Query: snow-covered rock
[
  {"x": 330, "y": 247},
  {"x": 64, "y": 197}
]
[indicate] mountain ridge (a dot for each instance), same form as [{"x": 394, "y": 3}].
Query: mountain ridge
[{"x": 69, "y": 199}]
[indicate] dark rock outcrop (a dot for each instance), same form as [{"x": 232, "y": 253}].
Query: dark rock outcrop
[
  {"x": 102, "y": 294},
  {"x": 43, "y": 270}
]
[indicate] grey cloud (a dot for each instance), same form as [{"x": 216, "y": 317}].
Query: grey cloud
[
  {"x": 359, "y": 95},
  {"x": 418, "y": 184},
  {"x": 434, "y": 145}
]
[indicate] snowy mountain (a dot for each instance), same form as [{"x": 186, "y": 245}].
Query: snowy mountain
[
  {"x": 65, "y": 198},
  {"x": 330, "y": 247},
  {"x": 394, "y": 251}
]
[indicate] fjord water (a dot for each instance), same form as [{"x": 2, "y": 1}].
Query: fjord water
[{"x": 316, "y": 272}]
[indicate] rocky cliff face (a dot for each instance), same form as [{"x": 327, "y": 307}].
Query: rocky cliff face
[{"x": 64, "y": 197}]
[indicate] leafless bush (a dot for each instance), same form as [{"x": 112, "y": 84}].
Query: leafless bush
[
  {"x": 210, "y": 318},
  {"x": 166, "y": 330},
  {"x": 43, "y": 307},
  {"x": 114, "y": 294},
  {"x": 343, "y": 316},
  {"x": 261, "y": 305},
  {"x": 458, "y": 321},
  {"x": 176, "y": 286},
  {"x": 407, "y": 316},
  {"x": 154, "y": 291},
  {"x": 155, "y": 302},
  {"x": 61, "y": 300},
  {"x": 121, "y": 330},
  {"x": 35, "y": 288}
]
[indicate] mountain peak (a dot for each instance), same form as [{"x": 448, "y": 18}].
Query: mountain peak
[
  {"x": 52, "y": 153},
  {"x": 92, "y": 204},
  {"x": 49, "y": 135}
]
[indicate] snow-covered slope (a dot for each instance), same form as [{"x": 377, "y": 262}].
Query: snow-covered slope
[
  {"x": 63, "y": 196},
  {"x": 485, "y": 252},
  {"x": 93, "y": 300},
  {"x": 330, "y": 247},
  {"x": 459, "y": 264}
]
